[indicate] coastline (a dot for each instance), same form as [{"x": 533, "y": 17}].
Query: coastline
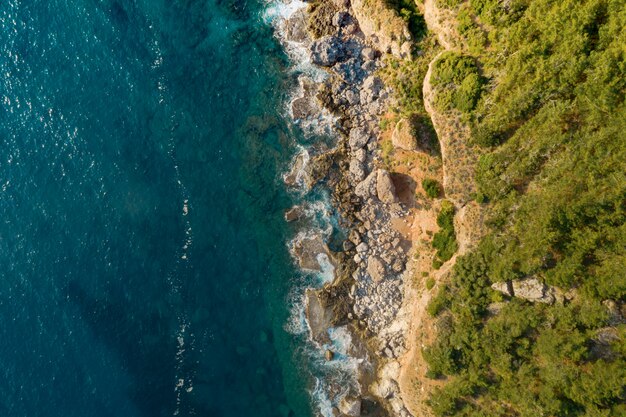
[{"x": 366, "y": 281}]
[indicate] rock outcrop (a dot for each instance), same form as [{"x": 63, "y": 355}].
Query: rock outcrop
[
  {"x": 388, "y": 31},
  {"x": 385, "y": 189},
  {"x": 328, "y": 51},
  {"x": 530, "y": 289},
  {"x": 403, "y": 136}
]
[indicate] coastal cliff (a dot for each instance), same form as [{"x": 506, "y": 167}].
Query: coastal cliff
[
  {"x": 376, "y": 172},
  {"x": 454, "y": 206}
]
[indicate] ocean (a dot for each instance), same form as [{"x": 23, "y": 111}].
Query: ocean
[{"x": 143, "y": 251}]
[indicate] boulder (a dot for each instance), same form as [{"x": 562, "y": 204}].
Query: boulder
[
  {"x": 403, "y": 136},
  {"x": 329, "y": 355},
  {"x": 368, "y": 54},
  {"x": 367, "y": 188},
  {"x": 294, "y": 213},
  {"x": 385, "y": 190},
  {"x": 359, "y": 137},
  {"x": 360, "y": 155},
  {"x": 307, "y": 249},
  {"x": 350, "y": 406},
  {"x": 352, "y": 98},
  {"x": 319, "y": 315},
  {"x": 386, "y": 388},
  {"x": 530, "y": 289},
  {"x": 350, "y": 71},
  {"x": 376, "y": 268},
  {"x": 328, "y": 51},
  {"x": 533, "y": 290},
  {"x": 372, "y": 86},
  {"x": 357, "y": 170}
]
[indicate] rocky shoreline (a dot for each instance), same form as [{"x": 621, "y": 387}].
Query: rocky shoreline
[{"x": 366, "y": 295}]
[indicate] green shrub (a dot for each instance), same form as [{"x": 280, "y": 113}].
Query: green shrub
[
  {"x": 457, "y": 82},
  {"x": 438, "y": 302},
  {"x": 431, "y": 187},
  {"x": 444, "y": 241},
  {"x": 430, "y": 283}
]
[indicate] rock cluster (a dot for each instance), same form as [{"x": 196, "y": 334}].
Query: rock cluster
[{"x": 363, "y": 193}]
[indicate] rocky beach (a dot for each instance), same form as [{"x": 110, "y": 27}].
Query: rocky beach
[{"x": 348, "y": 99}]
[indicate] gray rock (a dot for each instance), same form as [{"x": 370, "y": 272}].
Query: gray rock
[
  {"x": 359, "y": 137},
  {"x": 362, "y": 247},
  {"x": 328, "y": 51},
  {"x": 368, "y": 54},
  {"x": 533, "y": 290},
  {"x": 366, "y": 189},
  {"x": 350, "y": 71},
  {"x": 360, "y": 155},
  {"x": 385, "y": 189},
  {"x": 352, "y": 97},
  {"x": 357, "y": 170},
  {"x": 369, "y": 66},
  {"x": 371, "y": 89},
  {"x": 376, "y": 268},
  {"x": 530, "y": 289}
]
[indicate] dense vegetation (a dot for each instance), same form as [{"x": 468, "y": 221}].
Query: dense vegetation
[
  {"x": 458, "y": 82},
  {"x": 444, "y": 241},
  {"x": 431, "y": 187},
  {"x": 542, "y": 84}
]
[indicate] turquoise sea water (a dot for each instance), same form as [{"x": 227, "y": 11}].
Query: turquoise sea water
[{"x": 142, "y": 246}]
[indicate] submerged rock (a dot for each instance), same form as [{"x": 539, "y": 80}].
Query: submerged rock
[
  {"x": 307, "y": 250},
  {"x": 296, "y": 171},
  {"x": 293, "y": 214}
]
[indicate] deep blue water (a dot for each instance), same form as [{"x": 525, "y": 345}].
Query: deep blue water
[{"x": 143, "y": 263}]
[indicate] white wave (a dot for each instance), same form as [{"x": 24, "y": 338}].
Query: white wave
[
  {"x": 327, "y": 275},
  {"x": 282, "y": 10}
]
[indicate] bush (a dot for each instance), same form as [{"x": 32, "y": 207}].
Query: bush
[
  {"x": 444, "y": 240},
  {"x": 430, "y": 283},
  {"x": 431, "y": 187},
  {"x": 439, "y": 302},
  {"x": 457, "y": 82}
]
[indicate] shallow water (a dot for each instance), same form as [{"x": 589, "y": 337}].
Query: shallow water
[{"x": 142, "y": 246}]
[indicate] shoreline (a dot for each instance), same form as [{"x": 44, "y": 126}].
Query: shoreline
[{"x": 364, "y": 300}]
